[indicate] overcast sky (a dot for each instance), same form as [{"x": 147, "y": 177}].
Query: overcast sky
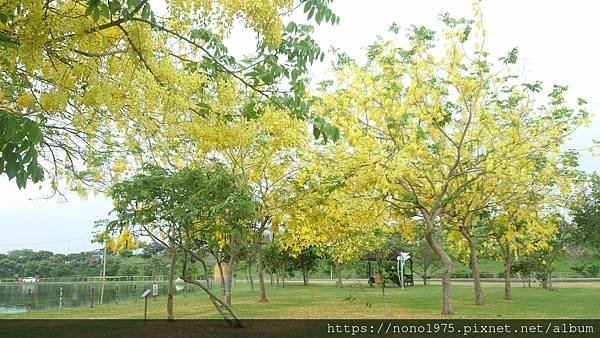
[{"x": 557, "y": 41}]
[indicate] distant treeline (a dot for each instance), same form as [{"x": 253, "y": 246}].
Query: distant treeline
[{"x": 26, "y": 262}]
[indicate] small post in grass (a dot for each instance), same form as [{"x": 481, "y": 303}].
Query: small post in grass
[
  {"x": 117, "y": 295},
  {"x": 145, "y": 296},
  {"x": 92, "y": 297},
  {"x": 60, "y": 298},
  {"x": 29, "y": 299}
]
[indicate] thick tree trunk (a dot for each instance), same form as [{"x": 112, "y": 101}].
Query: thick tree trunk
[
  {"x": 222, "y": 276},
  {"x": 170, "y": 291},
  {"x": 447, "y": 308},
  {"x": 338, "y": 273},
  {"x": 507, "y": 266},
  {"x": 229, "y": 279},
  {"x": 474, "y": 267},
  {"x": 234, "y": 249}
]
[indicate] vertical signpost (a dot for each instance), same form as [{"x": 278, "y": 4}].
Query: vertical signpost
[{"x": 145, "y": 296}]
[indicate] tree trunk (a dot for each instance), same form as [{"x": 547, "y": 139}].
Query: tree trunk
[
  {"x": 261, "y": 274},
  {"x": 261, "y": 261},
  {"x": 103, "y": 275},
  {"x": 220, "y": 305},
  {"x": 170, "y": 285},
  {"x": 229, "y": 279},
  {"x": 230, "y": 271},
  {"x": 222, "y": 275},
  {"x": 304, "y": 276},
  {"x": 425, "y": 277},
  {"x": 447, "y": 308},
  {"x": 338, "y": 273},
  {"x": 224, "y": 309},
  {"x": 383, "y": 289},
  {"x": 507, "y": 266},
  {"x": 205, "y": 270},
  {"x": 250, "y": 276},
  {"x": 474, "y": 267}
]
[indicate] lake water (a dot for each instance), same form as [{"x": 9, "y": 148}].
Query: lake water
[{"x": 22, "y": 297}]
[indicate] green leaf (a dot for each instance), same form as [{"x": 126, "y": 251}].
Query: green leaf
[
  {"x": 96, "y": 14},
  {"x": 22, "y": 179},
  {"x": 335, "y": 134},
  {"x": 114, "y": 6},
  {"x": 12, "y": 167},
  {"x": 18, "y": 136},
  {"x": 307, "y": 6},
  {"x": 146, "y": 11},
  {"x": 10, "y": 128},
  {"x": 125, "y": 14},
  {"x": 316, "y": 132},
  {"x": 35, "y": 135},
  {"x": 132, "y": 3},
  {"x": 319, "y": 17},
  {"x": 105, "y": 10},
  {"x": 92, "y": 5},
  {"x": 29, "y": 155},
  {"x": 310, "y": 14},
  {"x": 511, "y": 57},
  {"x": 290, "y": 27},
  {"x": 37, "y": 174}
]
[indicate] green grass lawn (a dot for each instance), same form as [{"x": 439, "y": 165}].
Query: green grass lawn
[{"x": 354, "y": 301}]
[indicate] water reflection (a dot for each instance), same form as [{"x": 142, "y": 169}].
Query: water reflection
[
  {"x": 22, "y": 297},
  {"x": 13, "y": 309}
]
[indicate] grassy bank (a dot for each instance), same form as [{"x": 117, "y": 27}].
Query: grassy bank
[{"x": 354, "y": 301}]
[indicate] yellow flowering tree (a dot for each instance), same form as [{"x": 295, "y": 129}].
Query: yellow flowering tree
[
  {"x": 99, "y": 81},
  {"x": 432, "y": 120}
]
